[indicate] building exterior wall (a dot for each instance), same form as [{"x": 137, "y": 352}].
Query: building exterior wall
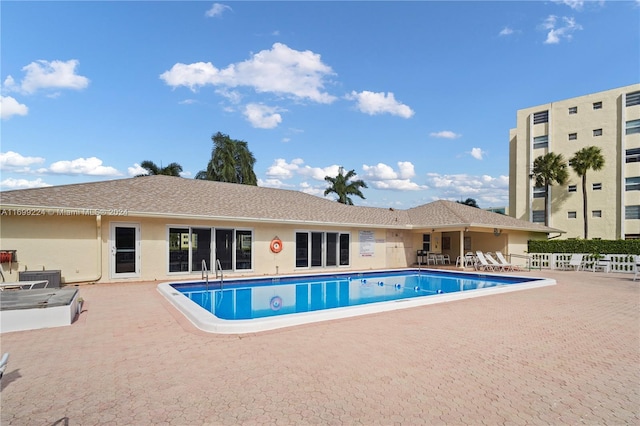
[
  {"x": 82, "y": 246},
  {"x": 572, "y": 125},
  {"x": 67, "y": 243}
]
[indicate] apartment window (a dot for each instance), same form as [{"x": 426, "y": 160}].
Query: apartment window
[
  {"x": 596, "y": 186},
  {"x": 632, "y": 212},
  {"x": 633, "y": 98},
  {"x": 632, "y": 127},
  {"x": 541, "y": 117},
  {"x": 572, "y": 188},
  {"x": 538, "y": 192},
  {"x": 571, "y": 215},
  {"x": 632, "y": 236},
  {"x": 537, "y": 216},
  {"x": 632, "y": 155},
  {"x": 597, "y": 132},
  {"x": 541, "y": 142},
  {"x": 597, "y": 105},
  {"x": 573, "y": 136},
  {"x": 596, "y": 213},
  {"x": 632, "y": 184},
  {"x": 573, "y": 110}
]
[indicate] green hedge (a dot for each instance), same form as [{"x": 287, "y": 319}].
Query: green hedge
[{"x": 585, "y": 246}]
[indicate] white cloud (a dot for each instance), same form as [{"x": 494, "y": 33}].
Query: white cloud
[
  {"x": 488, "y": 191},
  {"x": 313, "y": 190},
  {"x": 506, "y": 31},
  {"x": 81, "y": 166},
  {"x": 136, "y": 170},
  {"x": 262, "y": 116},
  {"x": 280, "y": 70},
  {"x": 48, "y": 75},
  {"x": 477, "y": 153},
  {"x": 216, "y": 10},
  {"x": 446, "y": 134},
  {"x": 557, "y": 33},
  {"x": 11, "y": 183},
  {"x": 573, "y": 4},
  {"x": 282, "y": 170},
  {"x": 383, "y": 176},
  {"x": 16, "y": 162},
  {"x": 10, "y": 107},
  {"x": 380, "y": 103},
  {"x": 319, "y": 173}
]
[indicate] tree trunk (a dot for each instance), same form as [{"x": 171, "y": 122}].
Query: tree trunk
[{"x": 584, "y": 205}]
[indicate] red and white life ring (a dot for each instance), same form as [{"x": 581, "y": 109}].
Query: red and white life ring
[{"x": 276, "y": 245}]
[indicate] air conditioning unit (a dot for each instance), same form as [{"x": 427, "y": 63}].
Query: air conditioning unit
[{"x": 53, "y": 276}]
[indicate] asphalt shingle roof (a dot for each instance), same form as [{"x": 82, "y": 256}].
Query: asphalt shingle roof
[{"x": 175, "y": 197}]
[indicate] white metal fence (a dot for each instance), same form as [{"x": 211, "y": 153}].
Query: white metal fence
[{"x": 624, "y": 263}]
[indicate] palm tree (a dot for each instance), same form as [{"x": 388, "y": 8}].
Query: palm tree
[
  {"x": 343, "y": 186},
  {"x": 173, "y": 169},
  {"x": 547, "y": 170},
  {"x": 469, "y": 202},
  {"x": 231, "y": 161},
  {"x": 588, "y": 158}
]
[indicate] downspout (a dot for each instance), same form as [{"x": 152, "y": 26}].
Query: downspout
[{"x": 99, "y": 241}]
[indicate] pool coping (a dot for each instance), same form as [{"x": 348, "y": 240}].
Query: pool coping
[{"x": 208, "y": 322}]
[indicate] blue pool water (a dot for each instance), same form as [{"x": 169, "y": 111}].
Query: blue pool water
[{"x": 244, "y": 299}]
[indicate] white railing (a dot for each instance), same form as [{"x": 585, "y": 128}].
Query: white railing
[{"x": 623, "y": 263}]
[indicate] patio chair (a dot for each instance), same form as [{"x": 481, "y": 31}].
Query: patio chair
[
  {"x": 575, "y": 263},
  {"x": 482, "y": 263},
  {"x": 637, "y": 274},
  {"x": 508, "y": 265},
  {"x": 3, "y": 363},
  {"x": 497, "y": 266},
  {"x": 20, "y": 285}
]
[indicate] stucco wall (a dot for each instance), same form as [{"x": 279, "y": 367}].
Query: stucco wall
[
  {"x": 82, "y": 246},
  {"x": 56, "y": 242}
]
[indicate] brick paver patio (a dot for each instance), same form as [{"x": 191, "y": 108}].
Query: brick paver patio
[{"x": 565, "y": 354}]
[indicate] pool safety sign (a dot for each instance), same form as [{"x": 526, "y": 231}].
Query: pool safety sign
[{"x": 367, "y": 244}]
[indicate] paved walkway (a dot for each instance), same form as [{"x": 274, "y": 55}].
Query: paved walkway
[{"x": 565, "y": 354}]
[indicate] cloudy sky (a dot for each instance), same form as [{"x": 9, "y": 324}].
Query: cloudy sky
[{"x": 416, "y": 97}]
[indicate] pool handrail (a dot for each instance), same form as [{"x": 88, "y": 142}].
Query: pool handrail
[
  {"x": 205, "y": 273},
  {"x": 218, "y": 267}
]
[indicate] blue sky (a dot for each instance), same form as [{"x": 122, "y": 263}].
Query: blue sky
[{"x": 416, "y": 97}]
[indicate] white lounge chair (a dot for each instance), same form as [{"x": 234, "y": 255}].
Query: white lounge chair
[
  {"x": 508, "y": 265},
  {"x": 20, "y": 285},
  {"x": 575, "y": 263},
  {"x": 482, "y": 263},
  {"x": 3, "y": 363},
  {"x": 497, "y": 266}
]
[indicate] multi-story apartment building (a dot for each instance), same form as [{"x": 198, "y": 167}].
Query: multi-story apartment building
[{"x": 609, "y": 120}]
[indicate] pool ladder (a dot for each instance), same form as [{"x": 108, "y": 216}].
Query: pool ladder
[
  {"x": 205, "y": 274},
  {"x": 218, "y": 267}
]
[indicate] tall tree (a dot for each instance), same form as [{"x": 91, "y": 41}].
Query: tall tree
[
  {"x": 469, "y": 202},
  {"x": 231, "y": 161},
  {"x": 173, "y": 169},
  {"x": 343, "y": 186},
  {"x": 548, "y": 170},
  {"x": 588, "y": 158}
]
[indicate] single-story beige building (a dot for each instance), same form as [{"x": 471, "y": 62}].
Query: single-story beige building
[{"x": 168, "y": 228}]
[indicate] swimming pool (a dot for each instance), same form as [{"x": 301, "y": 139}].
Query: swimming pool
[{"x": 247, "y": 305}]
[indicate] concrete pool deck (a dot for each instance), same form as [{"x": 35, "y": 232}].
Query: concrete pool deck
[{"x": 563, "y": 354}]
